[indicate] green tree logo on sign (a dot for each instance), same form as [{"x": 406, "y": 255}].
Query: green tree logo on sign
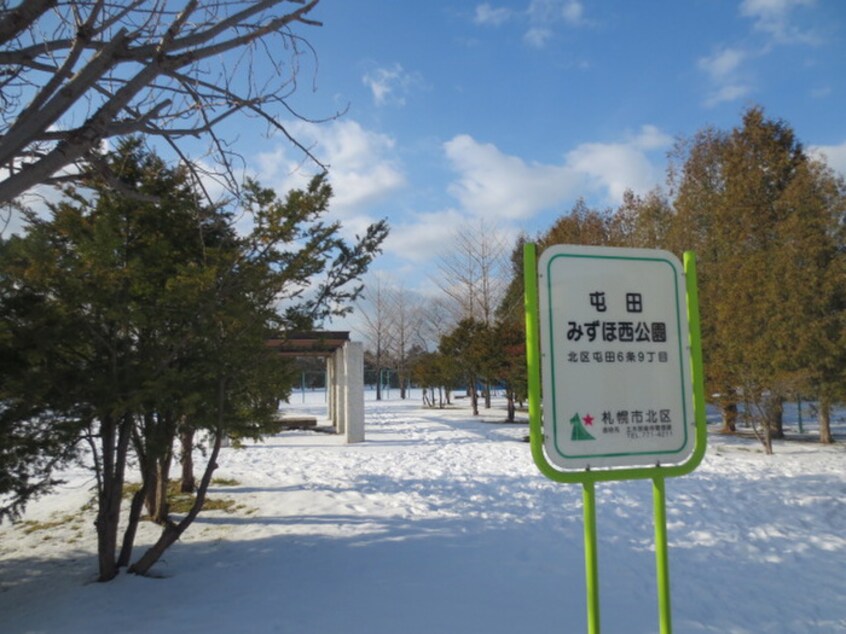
[{"x": 580, "y": 432}]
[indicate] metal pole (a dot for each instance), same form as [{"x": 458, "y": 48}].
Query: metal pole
[
  {"x": 588, "y": 479},
  {"x": 591, "y": 557},
  {"x": 662, "y": 564}
]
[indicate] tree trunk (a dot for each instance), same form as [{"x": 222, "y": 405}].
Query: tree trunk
[
  {"x": 511, "y": 407},
  {"x": 156, "y": 447},
  {"x": 131, "y": 527},
  {"x": 774, "y": 409},
  {"x": 764, "y": 434},
  {"x": 115, "y": 442},
  {"x": 487, "y": 394},
  {"x": 825, "y": 420},
  {"x": 171, "y": 532},
  {"x": 186, "y": 441},
  {"x": 106, "y": 522},
  {"x": 147, "y": 461},
  {"x": 729, "y": 412},
  {"x": 768, "y": 439},
  {"x": 159, "y": 516},
  {"x": 474, "y": 397}
]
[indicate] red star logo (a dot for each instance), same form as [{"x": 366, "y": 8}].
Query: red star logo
[{"x": 588, "y": 420}]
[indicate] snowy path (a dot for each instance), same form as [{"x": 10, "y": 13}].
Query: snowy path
[{"x": 441, "y": 523}]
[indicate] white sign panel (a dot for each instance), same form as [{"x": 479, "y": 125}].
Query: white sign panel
[{"x": 615, "y": 357}]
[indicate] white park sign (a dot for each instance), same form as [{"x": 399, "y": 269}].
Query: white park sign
[{"x": 615, "y": 358}]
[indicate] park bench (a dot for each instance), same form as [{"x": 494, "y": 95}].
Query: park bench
[{"x": 298, "y": 422}]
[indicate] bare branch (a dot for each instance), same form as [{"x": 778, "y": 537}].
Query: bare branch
[
  {"x": 63, "y": 73},
  {"x": 31, "y": 122},
  {"x": 91, "y": 70},
  {"x": 21, "y": 18},
  {"x": 227, "y": 45},
  {"x": 174, "y": 28}
]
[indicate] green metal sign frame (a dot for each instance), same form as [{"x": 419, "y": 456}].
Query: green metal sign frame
[
  {"x": 534, "y": 383},
  {"x": 563, "y": 270},
  {"x": 589, "y": 477}
]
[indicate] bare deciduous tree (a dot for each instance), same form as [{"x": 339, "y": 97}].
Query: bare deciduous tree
[
  {"x": 406, "y": 326},
  {"x": 436, "y": 320},
  {"x": 377, "y": 325},
  {"x": 75, "y": 73},
  {"x": 474, "y": 273}
]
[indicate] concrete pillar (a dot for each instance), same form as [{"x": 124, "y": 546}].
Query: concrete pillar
[
  {"x": 340, "y": 392},
  {"x": 330, "y": 389},
  {"x": 353, "y": 354}
]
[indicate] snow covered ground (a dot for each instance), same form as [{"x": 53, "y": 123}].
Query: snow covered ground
[{"x": 440, "y": 523}]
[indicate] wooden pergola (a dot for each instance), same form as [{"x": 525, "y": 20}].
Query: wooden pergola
[
  {"x": 315, "y": 343},
  {"x": 344, "y": 374}
]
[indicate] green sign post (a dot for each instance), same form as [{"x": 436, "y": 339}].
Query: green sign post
[{"x": 615, "y": 335}]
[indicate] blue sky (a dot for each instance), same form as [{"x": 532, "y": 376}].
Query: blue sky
[
  {"x": 502, "y": 114},
  {"x": 506, "y": 113}
]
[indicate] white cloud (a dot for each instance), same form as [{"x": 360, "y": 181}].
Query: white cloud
[
  {"x": 363, "y": 169},
  {"x": 833, "y": 155},
  {"x": 615, "y": 167},
  {"x": 495, "y": 185},
  {"x": 777, "y": 20},
  {"x": 539, "y": 19},
  {"x": 723, "y": 63},
  {"x": 490, "y": 16},
  {"x": 544, "y": 11},
  {"x": 390, "y": 85},
  {"x": 537, "y": 37},
  {"x": 573, "y": 12},
  {"x": 36, "y": 199},
  {"x": 821, "y": 93},
  {"x": 774, "y": 18},
  {"x": 729, "y": 92},
  {"x": 651, "y": 138},
  {"x": 545, "y": 14},
  {"x": 423, "y": 235},
  {"x": 491, "y": 183},
  {"x": 505, "y": 191},
  {"x": 725, "y": 71}
]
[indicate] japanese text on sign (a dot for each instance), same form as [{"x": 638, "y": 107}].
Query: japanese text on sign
[{"x": 616, "y": 380}]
